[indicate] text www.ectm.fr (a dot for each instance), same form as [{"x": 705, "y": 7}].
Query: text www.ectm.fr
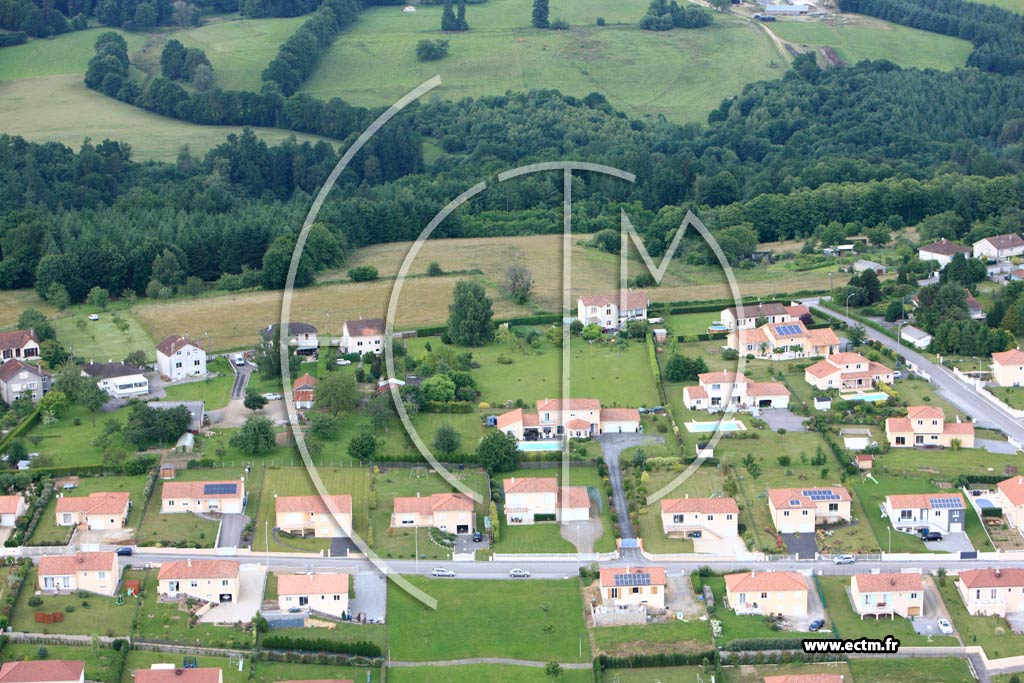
[{"x": 889, "y": 645}]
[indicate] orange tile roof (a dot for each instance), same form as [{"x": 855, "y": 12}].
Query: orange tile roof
[
  {"x": 754, "y": 336},
  {"x": 620, "y": 415},
  {"x": 304, "y": 584},
  {"x": 657, "y": 574},
  {"x": 1013, "y": 489},
  {"x": 554, "y": 404},
  {"x": 574, "y": 497},
  {"x": 9, "y": 504},
  {"x": 925, "y": 413},
  {"x": 699, "y": 505},
  {"x": 1011, "y": 357},
  {"x": 781, "y": 498},
  {"x": 847, "y": 358},
  {"x": 918, "y": 501},
  {"x": 865, "y": 457},
  {"x": 723, "y": 377},
  {"x": 42, "y": 670},
  {"x": 66, "y": 565},
  {"x": 1006, "y": 577},
  {"x": 767, "y": 389},
  {"x": 634, "y": 299},
  {"x": 17, "y": 338},
  {"x": 194, "y": 489},
  {"x": 824, "y": 336},
  {"x": 530, "y": 485},
  {"x": 797, "y": 310},
  {"x": 888, "y": 583},
  {"x": 765, "y": 581},
  {"x": 438, "y": 502},
  {"x": 577, "y": 424},
  {"x": 198, "y": 569},
  {"x": 822, "y": 369},
  {"x": 341, "y": 503},
  {"x": 695, "y": 392},
  {"x": 206, "y": 675},
  {"x": 898, "y": 425},
  {"x": 100, "y": 503},
  {"x": 958, "y": 428},
  {"x": 510, "y": 418},
  {"x": 174, "y": 343},
  {"x": 307, "y": 381},
  {"x": 365, "y": 327},
  {"x": 805, "y": 678}
]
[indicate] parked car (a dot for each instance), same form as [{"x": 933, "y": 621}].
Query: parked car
[
  {"x": 897, "y": 374},
  {"x": 94, "y": 317},
  {"x": 124, "y": 551},
  {"x": 945, "y": 626},
  {"x": 519, "y": 573},
  {"x": 343, "y": 361},
  {"x": 931, "y": 536},
  {"x": 477, "y": 537},
  {"x": 843, "y": 559},
  {"x": 817, "y": 624},
  {"x": 239, "y": 359},
  {"x": 441, "y": 571},
  {"x": 272, "y": 396}
]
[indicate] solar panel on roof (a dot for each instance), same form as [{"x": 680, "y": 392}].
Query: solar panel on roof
[
  {"x": 787, "y": 329},
  {"x": 945, "y": 503},
  {"x": 219, "y": 489},
  {"x": 633, "y": 579},
  {"x": 820, "y": 494}
]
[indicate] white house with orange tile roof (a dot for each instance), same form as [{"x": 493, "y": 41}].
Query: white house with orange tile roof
[
  {"x": 887, "y": 595},
  {"x": 612, "y": 311},
  {"x": 179, "y": 357},
  {"x": 846, "y": 372},
  {"x": 1008, "y": 368},
  {"x": 324, "y": 593},
  {"x": 730, "y": 390},
  {"x": 769, "y": 593},
  {"x": 999, "y": 247},
  {"x": 926, "y": 426},
  {"x": 579, "y": 418},
  {"x": 96, "y": 572},
  {"x": 18, "y": 345},
  {"x": 746, "y": 317},
  {"x": 11, "y": 507},
  {"x": 917, "y": 512},
  {"x": 784, "y": 341},
  {"x": 43, "y": 671},
  {"x": 169, "y": 673},
  {"x": 1011, "y": 500},
  {"x": 625, "y": 587},
  {"x": 799, "y": 510},
  {"x": 806, "y": 678},
  {"x": 992, "y": 592},
  {"x": 302, "y": 515},
  {"x": 215, "y": 581},
  {"x": 304, "y": 391},
  {"x": 203, "y": 496},
  {"x": 707, "y": 521},
  {"x": 97, "y": 511},
  {"x": 528, "y": 497},
  {"x": 451, "y": 512}
]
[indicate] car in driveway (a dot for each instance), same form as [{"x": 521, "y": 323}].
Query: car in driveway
[
  {"x": 343, "y": 361},
  {"x": 945, "y": 627},
  {"x": 931, "y": 536},
  {"x": 478, "y": 537},
  {"x": 519, "y": 573},
  {"x": 272, "y": 396},
  {"x": 816, "y": 625},
  {"x": 441, "y": 571},
  {"x": 843, "y": 559}
]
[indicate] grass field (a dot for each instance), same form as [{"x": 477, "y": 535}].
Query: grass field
[
  {"x": 502, "y": 52},
  {"x": 948, "y": 670},
  {"x": 99, "y": 664},
  {"x": 214, "y": 391},
  {"x": 473, "y": 673},
  {"x": 856, "y": 38},
  {"x": 14, "y": 301},
  {"x": 489, "y": 619},
  {"x": 48, "y": 529},
  {"x": 94, "y": 614},
  {"x": 705, "y": 482},
  {"x": 1011, "y": 396},
  {"x": 100, "y": 340},
  {"x": 992, "y": 633},
  {"x": 68, "y": 53},
  {"x": 64, "y": 442},
  {"x": 624, "y": 640}
]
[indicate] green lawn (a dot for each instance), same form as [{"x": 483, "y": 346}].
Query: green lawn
[
  {"x": 215, "y": 391},
  {"x": 739, "y": 626},
  {"x": 948, "y": 670},
  {"x": 94, "y": 614},
  {"x": 689, "y": 324},
  {"x": 703, "y": 483},
  {"x": 682, "y": 674},
  {"x": 99, "y": 665},
  {"x": 992, "y": 633},
  {"x": 47, "y": 530},
  {"x": 856, "y": 38},
  {"x": 399, "y": 543},
  {"x": 489, "y": 619},
  {"x": 99, "y": 340},
  {"x": 1012, "y": 396},
  {"x": 164, "y": 620},
  {"x": 68, "y": 53},
  {"x": 474, "y": 673},
  {"x": 271, "y": 672},
  {"x": 849, "y": 624},
  {"x": 295, "y": 481},
  {"x": 623, "y": 640},
  {"x": 65, "y": 443},
  {"x": 502, "y": 52}
]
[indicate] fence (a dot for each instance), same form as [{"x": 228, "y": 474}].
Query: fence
[{"x": 554, "y": 557}]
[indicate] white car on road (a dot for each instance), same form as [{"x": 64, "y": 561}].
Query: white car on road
[
  {"x": 441, "y": 571},
  {"x": 519, "y": 573}
]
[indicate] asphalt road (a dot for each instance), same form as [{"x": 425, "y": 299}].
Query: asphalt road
[
  {"x": 242, "y": 373},
  {"x": 945, "y": 382}
]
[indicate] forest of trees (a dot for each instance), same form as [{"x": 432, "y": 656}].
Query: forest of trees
[{"x": 298, "y": 56}]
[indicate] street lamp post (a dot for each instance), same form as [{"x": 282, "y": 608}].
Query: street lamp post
[
  {"x": 889, "y": 529},
  {"x": 416, "y": 529},
  {"x": 898, "y": 350},
  {"x": 848, "y": 303}
]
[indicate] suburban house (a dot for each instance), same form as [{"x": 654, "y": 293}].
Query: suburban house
[
  {"x": 302, "y": 336},
  {"x": 915, "y": 336},
  {"x": 806, "y": 678},
  {"x": 94, "y": 572},
  {"x": 974, "y": 308},
  {"x": 800, "y": 510},
  {"x": 999, "y": 247},
  {"x": 1008, "y": 368},
  {"x": 624, "y": 587},
  {"x": 926, "y": 426},
  {"x": 746, "y": 317},
  {"x": 702, "y": 519},
  {"x": 43, "y": 671},
  {"x": 363, "y": 335},
  {"x": 942, "y": 251},
  {"x": 582, "y": 418},
  {"x": 992, "y": 592},
  {"x": 97, "y": 511},
  {"x": 887, "y": 595},
  {"x": 860, "y": 265},
  {"x": 304, "y": 391},
  {"x": 784, "y": 341},
  {"x": 1011, "y": 500},
  {"x": 324, "y": 593},
  {"x": 846, "y": 372},
  {"x": 120, "y": 380},
  {"x": 18, "y": 345},
  {"x": 214, "y": 581},
  {"x": 169, "y": 673},
  {"x": 728, "y": 390},
  {"x": 612, "y": 311},
  {"x": 203, "y": 496},
  {"x": 769, "y": 593},
  {"x": 312, "y": 515},
  {"x": 538, "y": 499},
  {"x": 11, "y": 507},
  {"x": 926, "y": 512},
  {"x": 451, "y": 512},
  {"x": 23, "y": 380},
  {"x": 177, "y": 358}
]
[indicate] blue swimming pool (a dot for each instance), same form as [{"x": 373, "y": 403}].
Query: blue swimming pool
[
  {"x": 725, "y": 426},
  {"x": 984, "y": 503},
  {"x": 873, "y": 397},
  {"x": 540, "y": 445}
]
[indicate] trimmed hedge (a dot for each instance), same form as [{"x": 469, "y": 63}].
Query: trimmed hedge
[
  {"x": 459, "y": 407},
  {"x": 361, "y": 648},
  {"x": 603, "y": 662},
  {"x": 750, "y": 644},
  {"x": 991, "y": 512}
]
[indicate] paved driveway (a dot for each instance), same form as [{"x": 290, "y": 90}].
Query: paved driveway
[
  {"x": 371, "y": 599},
  {"x": 951, "y": 543},
  {"x": 611, "y": 446},
  {"x": 231, "y": 528},
  {"x": 784, "y": 418},
  {"x": 928, "y": 623},
  {"x": 464, "y": 544},
  {"x": 993, "y": 446},
  {"x": 583, "y": 535},
  {"x": 679, "y": 597},
  {"x": 815, "y": 610},
  {"x": 252, "y": 579},
  {"x": 803, "y": 544}
]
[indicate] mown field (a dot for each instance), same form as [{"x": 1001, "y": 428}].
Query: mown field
[{"x": 65, "y": 54}]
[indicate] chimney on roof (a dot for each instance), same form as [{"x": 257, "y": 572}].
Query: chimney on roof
[
  {"x": 998, "y": 572},
  {"x": 417, "y": 494},
  {"x": 177, "y": 672},
  {"x": 190, "y": 562}
]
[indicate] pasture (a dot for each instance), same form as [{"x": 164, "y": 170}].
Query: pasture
[
  {"x": 65, "y": 54},
  {"x": 101, "y": 340}
]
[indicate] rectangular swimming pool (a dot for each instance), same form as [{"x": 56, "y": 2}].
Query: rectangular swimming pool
[
  {"x": 539, "y": 445},
  {"x": 725, "y": 426},
  {"x": 874, "y": 397}
]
